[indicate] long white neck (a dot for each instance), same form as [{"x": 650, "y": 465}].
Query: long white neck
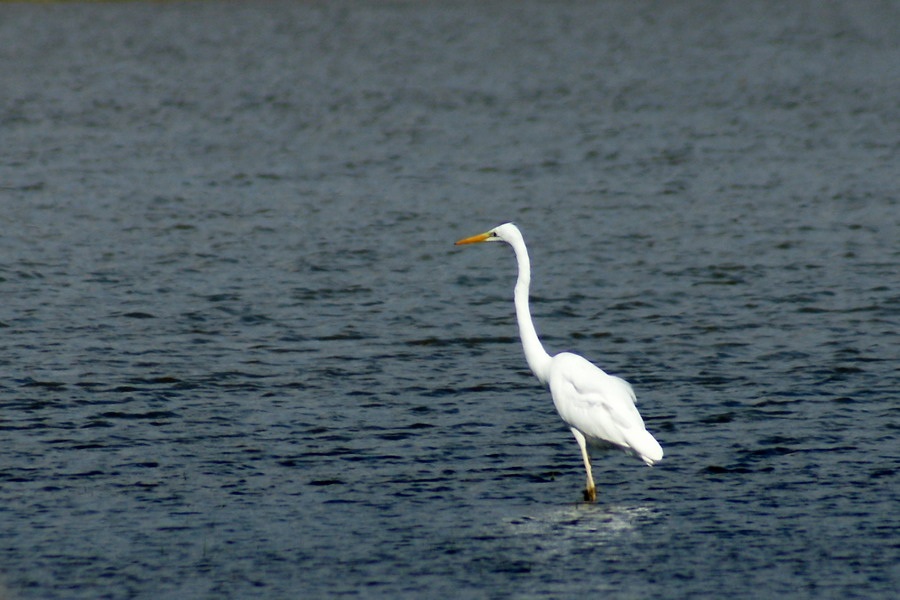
[{"x": 537, "y": 357}]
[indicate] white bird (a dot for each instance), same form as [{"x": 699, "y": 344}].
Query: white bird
[{"x": 598, "y": 408}]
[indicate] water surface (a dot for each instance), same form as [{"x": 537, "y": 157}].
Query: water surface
[{"x": 241, "y": 357}]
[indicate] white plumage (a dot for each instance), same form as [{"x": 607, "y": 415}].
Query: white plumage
[{"x": 598, "y": 408}]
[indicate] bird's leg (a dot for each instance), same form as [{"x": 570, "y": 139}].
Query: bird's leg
[{"x": 590, "y": 492}]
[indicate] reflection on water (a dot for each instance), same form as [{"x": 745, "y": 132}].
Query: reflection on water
[{"x": 569, "y": 529}]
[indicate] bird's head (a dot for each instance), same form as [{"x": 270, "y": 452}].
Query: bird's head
[{"x": 502, "y": 233}]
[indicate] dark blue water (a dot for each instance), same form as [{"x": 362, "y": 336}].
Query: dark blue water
[{"x": 242, "y": 358}]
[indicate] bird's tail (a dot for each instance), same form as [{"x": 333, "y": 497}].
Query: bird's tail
[{"x": 646, "y": 447}]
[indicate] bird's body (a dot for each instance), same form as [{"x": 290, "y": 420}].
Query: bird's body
[{"x": 598, "y": 408}]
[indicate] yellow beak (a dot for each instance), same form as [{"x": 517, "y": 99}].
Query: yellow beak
[{"x": 474, "y": 239}]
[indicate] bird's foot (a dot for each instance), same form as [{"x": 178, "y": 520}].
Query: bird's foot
[{"x": 590, "y": 494}]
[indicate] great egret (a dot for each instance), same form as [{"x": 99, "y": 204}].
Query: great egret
[{"x": 598, "y": 408}]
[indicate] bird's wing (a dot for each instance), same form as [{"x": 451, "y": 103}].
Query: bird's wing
[{"x": 599, "y": 405}]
